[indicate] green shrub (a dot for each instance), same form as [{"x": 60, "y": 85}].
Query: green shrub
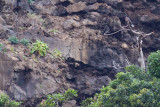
[
  {"x": 53, "y": 100},
  {"x": 86, "y": 102},
  {"x": 39, "y": 47},
  {"x": 138, "y": 73},
  {"x": 135, "y": 88},
  {"x": 154, "y": 64},
  {"x": 6, "y": 102},
  {"x": 25, "y": 42},
  {"x": 13, "y": 40},
  {"x": 70, "y": 94},
  {"x": 56, "y": 100}
]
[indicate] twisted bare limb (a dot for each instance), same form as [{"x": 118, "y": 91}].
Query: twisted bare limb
[{"x": 140, "y": 36}]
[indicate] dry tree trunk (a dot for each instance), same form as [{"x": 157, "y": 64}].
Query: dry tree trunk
[
  {"x": 140, "y": 41},
  {"x": 140, "y": 36},
  {"x": 141, "y": 58}
]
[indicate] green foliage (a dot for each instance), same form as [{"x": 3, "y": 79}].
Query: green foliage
[
  {"x": 1, "y": 47},
  {"x": 70, "y": 94},
  {"x": 154, "y": 64},
  {"x": 5, "y": 50},
  {"x": 25, "y": 42},
  {"x": 56, "y": 100},
  {"x": 39, "y": 47},
  {"x": 6, "y": 102},
  {"x": 135, "y": 88},
  {"x": 12, "y": 49},
  {"x": 86, "y": 102},
  {"x": 57, "y": 54},
  {"x": 53, "y": 31},
  {"x": 138, "y": 73},
  {"x": 50, "y": 102},
  {"x": 13, "y": 40},
  {"x": 144, "y": 98}
]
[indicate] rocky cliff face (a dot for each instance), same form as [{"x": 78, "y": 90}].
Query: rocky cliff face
[{"x": 79, "y": 29}]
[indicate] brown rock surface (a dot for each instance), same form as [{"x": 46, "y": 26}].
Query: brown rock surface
[
  {"x": 78, "y": 28},
  {"x": 76, "y": 7}
]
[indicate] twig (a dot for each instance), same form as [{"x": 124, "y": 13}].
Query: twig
[{"x": 116, "y": 65}]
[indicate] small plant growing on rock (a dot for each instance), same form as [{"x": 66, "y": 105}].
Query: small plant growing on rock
[
  {"x": 12, "y": 49},
  {"x": 1, "y": 47},
  {"x": 24, "y": 57},
  {"x": 57, "y": 54},
  {"x": 35, "y": 59},
  {"x": 36, "y": 17},
  {"x": 25, "y": 42},
  {"x": 5, "y": 50},
  {"x": 6, "y": 102},
  {"x": 13, "y": 40},
  {"x": 53, "y": 31},
  {"x": 39, "y": 47}
]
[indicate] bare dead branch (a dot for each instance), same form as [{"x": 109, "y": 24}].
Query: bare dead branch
[
  {"x": 113, "y": 32},
  {"x": 116, "y": 65},
  {"x": 140, "y": 36}
]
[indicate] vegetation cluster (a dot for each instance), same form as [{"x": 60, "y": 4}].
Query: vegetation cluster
[
  {"x": 56, "y": 100},
  {"x": 133, "y": 88},
  {"x": 5, "y": 101},
  {"x": 38, "y": 47}
]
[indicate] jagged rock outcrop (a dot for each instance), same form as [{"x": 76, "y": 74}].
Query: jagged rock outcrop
[{"x": 27, "y": 78}]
